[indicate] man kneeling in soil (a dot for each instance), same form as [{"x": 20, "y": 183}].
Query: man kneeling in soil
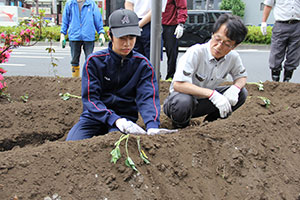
[
  {"x": 195, "y": 90},
  {"x": 117, "y": 83}
]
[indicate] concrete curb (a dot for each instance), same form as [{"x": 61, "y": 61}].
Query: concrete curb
[{"x": 181, "y": 49}]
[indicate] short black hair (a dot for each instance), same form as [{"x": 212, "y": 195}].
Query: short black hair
[{"x": 235, "y": 28}]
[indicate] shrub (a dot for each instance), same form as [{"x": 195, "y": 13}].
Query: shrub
[{"x": 255, "y": 36}]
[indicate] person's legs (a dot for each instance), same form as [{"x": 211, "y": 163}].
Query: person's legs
[
  {"x": 179, "y": 108},
  {"x": 145, "y": 40},
  {"x": 278, "y": 48},
  {"x": 88, "y": 47},
  {"x": 86, "y": 128},
  {"x": 206, "y": 107},
  {"x": 75, "y": 56},
  {"x": 293, "y": 51},
  {"x": 75, "y": 52},
  {"x": 171, "y": 45}
]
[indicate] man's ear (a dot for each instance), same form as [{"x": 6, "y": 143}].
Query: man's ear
[{"x": 108, "y": 33}]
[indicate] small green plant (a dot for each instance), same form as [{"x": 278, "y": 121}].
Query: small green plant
[
  {"x": 116, "y": 153},
  {"x": 24, "y": 98},
  {"x": 267, "y": 102},
  {"x": 66, "y": 96},
  {"x": 259, "y": 85}
]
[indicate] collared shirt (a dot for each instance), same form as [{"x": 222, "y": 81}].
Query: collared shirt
[
  {"x": 285, "y": 10},
  {"x": 199, "y": 67}
]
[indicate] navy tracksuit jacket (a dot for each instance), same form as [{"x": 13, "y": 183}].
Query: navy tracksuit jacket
[{"x": 114, "y": 87}]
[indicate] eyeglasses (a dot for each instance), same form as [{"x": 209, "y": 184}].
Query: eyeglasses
[{"x": 221, "y": 42}]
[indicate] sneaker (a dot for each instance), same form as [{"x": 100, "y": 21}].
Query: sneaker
[
  {"x": 275, "y": 75},
  {"x": 287, "y": 76},
  {"x": 169, "y": 79}
]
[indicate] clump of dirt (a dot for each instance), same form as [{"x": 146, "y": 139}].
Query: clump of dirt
[{"x": 253, "y": 154}]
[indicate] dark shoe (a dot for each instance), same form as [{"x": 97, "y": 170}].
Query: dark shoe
[
  {"x": 180, "y": 125},
  {"x": 275, "y": 75},
  {"x": 287, "y": 76}
]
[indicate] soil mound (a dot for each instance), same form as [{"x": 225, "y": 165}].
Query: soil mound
[{"x": 253, "y": 154}]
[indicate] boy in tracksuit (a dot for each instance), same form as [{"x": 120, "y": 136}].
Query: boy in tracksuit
[{"x": 117, "y": 83}]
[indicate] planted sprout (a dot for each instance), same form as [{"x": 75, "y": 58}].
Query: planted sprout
[
  {"x": 66, "y": 96},
  {"x": 24, "y": 98},
  {"x": 116, "y": 153},
  {"x": 259, "y": 85},
  {"x": 143, "y": 156},
  {"x": 265, "y": 100}
]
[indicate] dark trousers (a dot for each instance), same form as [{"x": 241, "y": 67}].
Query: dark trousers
[
  {"x": 285, "y": 44},
  {"x": 142, "y": 44},
  {"x": 171, "y": 46},
  {"x": 180, "y": 107},
  {"x": 88, "y": 48},
  {"x": 87, "y": 128}
]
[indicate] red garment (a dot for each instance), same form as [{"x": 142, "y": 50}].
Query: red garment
[{"x": 175, "y": 12}]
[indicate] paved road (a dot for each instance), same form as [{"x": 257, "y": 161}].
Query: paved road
[{"x": 35, "y": 61}]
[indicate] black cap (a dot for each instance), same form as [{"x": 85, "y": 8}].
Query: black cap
[{"x": 124, "y": 22}]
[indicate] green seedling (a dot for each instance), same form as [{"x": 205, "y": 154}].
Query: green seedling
[
  {"x": 66, "y": 96},
  {"x": 259, "y": 85},
  {"x": 265, "y": 100},
  {"x": 143, "y": 156},
  {"x": 129, "y": 162},
  {"x": 116, "y": 153},
  {"x": 24, "y": 98}
]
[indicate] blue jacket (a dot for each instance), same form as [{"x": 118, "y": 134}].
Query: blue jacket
[
  {"x": 81, "y": 27},
  {"x": 114, "y": 87}
]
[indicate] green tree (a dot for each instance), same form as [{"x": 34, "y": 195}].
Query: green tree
[{"x": 236, "y": 6}]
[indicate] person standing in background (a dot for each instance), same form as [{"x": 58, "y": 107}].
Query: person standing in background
[
  {"x": 285, "y": 41},
  {"x": 143, "y": 10},
  {"x": 80, "y": 20},
  {"x": 173, "y": 19}
]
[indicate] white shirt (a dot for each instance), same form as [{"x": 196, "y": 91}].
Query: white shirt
[
  {"x": 142, "y": 7},
  {"x": 199, "y": 67},
  {"x": 285, "y": 9}
]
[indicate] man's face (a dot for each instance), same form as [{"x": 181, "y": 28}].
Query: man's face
[
  {"x": 123, "y": 45},
  {"x": 220, "y": 44}
]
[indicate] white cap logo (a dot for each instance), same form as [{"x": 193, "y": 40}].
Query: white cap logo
[{"x": 125, "y": 20}]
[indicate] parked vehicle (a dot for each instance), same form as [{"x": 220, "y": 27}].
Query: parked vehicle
[{"x": 198, "y": 27}]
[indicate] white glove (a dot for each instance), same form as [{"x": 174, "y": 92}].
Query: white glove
[
  {"x": 101, "y": 39},
  {"x": 232, "y": 94},
  {"x": 154, "y": 131},
  {"x": 263, "y": 28},
  {"x": 128, "y": 127},
  {"x": 179, "y": 31},
  {"x": 221, "y": 102},
  {"x": 62, "y": 40}
]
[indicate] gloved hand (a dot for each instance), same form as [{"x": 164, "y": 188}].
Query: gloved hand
[
  {"x": 62, "y": 40},
  {"x": 179, "y": 31},
  {"x": 221, "y": 102},
  {"x": 154, "y": 131},
  {"x": 263, "y": 28},
  {"x": 128, "y": 127},
  {"x": 232, "y": 94},
  {"x": 101, "y": 39}
]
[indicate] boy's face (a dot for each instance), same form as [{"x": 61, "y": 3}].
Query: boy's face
[
  {"x": 220, "y": 44},
  {"x": 123, "y": 45}
]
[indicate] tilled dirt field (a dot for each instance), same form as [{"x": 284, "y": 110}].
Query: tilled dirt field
[{"x": 254, "y": 154}]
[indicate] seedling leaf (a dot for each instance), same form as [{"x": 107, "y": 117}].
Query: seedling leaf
[
  {"x": 259, "y": 85},
  {"x": 129, "y": 163},
  {"x": 265, "y": 100},
  {"x": 142, "y": 153},
  {"x": 116, "y": 155}
]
